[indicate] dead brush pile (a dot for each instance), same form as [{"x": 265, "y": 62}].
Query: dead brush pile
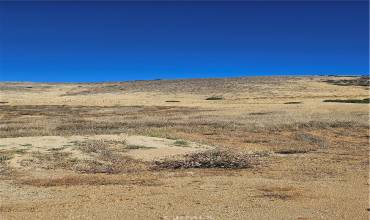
[{"x": 208, "y": 159}]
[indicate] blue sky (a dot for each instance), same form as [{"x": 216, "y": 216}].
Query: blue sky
[{"x": 116, "y": 41}]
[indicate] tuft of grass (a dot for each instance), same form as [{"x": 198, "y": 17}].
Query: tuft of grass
[
  {"x": 56, "y": 148},
  {"x": 292, "y": 103},
  {"x": 20, "y": 151},
  {"x": 260, "y": 113},
  {"x": 215, "y": 98},
  {"x": 135, "y": 147},
  {"x": 208, "y": 159},
  {"x": 361, "y": 101},
  {"x": 293, "y": 151},
  {"x": 4, "y": 158},
  {"x": 181, "y": 143},
  {"x": 26, "y": 145},
  {"x": 279, "y": 193}
]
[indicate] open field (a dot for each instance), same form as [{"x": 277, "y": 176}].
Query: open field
[{"x": 233, "y": 148}]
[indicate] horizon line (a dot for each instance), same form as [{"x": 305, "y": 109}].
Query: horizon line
[{"x": 191, "y": 78}]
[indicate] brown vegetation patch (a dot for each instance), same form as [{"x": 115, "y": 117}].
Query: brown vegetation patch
[
  {"x": 303, "y": 143},
  {"x": 208, "y": 159},
  {"x": 357, "y": 81},
  {"x": 361, "y": 101},
  {"x": 279, "y": 193},
  {"x": 91, "y": 179},
  {"x": 292, "y": 103},
  {"x": 108, "y": 158},
  {"x": 96, "y": 156},
  {"x": 96, "y": 89},
  {"x": 215, "y": 98}
]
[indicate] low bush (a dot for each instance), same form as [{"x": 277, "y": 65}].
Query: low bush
[
  {"x": 215, "y": 98},
  {"x": 208, "y": 159}
]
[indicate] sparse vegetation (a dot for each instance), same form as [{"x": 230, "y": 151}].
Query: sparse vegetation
[
  {"x": 20, "y": 151},
  {"x": 135, "y": 147},
  {"x": 305, "y": 143},
  {"x": 361, "y": 101},
  {"x": 57, "y": 148},
  {"x": 181, "y": 143},
  {"x": 292, "y": 103},
  {"x": 209, "y": 159},
  {"x": 108, "y": 158},
  {"x": 279, "y": 193},
  {"x": 4, "y": 157},
  {"x": 312, "y": 140},
  {"x": 293, "y": 151},
  {"x": 215, "y": 98},
  {"x": 354, "y": 81},
  {"x": 260, "y": 113}
]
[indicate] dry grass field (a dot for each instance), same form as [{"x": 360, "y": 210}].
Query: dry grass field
[{"x": 232, "y": 148}]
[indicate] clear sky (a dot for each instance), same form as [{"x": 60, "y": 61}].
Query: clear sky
[{"x": 116, "y": 41}]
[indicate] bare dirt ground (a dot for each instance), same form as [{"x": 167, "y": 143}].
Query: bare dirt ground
[{"x": 235, "y": 148}]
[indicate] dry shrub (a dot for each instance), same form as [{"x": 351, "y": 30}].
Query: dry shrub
[{"x": 208, "y": 159}]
